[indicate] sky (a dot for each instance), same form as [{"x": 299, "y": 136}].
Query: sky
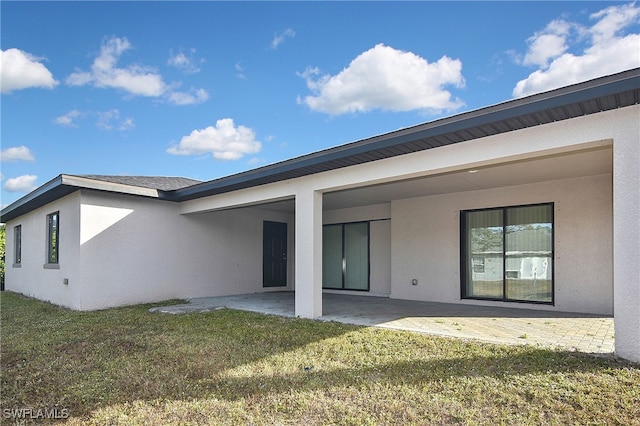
[{"x": 208, "y": 89}]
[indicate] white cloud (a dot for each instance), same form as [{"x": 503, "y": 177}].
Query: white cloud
[
  {"x": 25, "y": 183},
  {"x": 388, "y": 79},
  {"x": 17, "y": 153},
  {"x": 194, "y": 96},
  {"x": 547, "y": 44},
  {"x": 612, "y": 20},
  {"x": 134, "y": 79},
  {"x": 21, "y": 70},
  {"x": 240, "y": 71},
  {"x": 278, "y": 39},
  {"x": 608, "y": 50},
  {"x": 106, "y": 120},
  {"x": 185, "y": 62},
  {"x": 110, "y": 120},
  {"x": 126, "y": 124},
  {"x": 225, "y": 141},
  {"x": 68, "y": 119}
]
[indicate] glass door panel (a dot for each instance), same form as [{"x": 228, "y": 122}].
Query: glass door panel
[
  {"x": 485, "y": 264},
  {"x": 332, "y": 256},
  {"x": 356, "y": 256},
  {"x": 528, "y": 253}
]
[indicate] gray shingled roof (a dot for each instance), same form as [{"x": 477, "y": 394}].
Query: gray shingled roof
[{"x": 162, "y": 183}]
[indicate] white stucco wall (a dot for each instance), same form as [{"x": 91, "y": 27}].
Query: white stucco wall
[
  {"x": 223, "y": 252},
  {"x": 380, "y": 258},
  {"x": 119, "y": 249},
  {"x": 426, "y": 242},
  {"x": 128, "y": 251},
  {"x": 135, "y": 250},
  {"x": 31, "y": 278},
  {"x": 626, "y": 237}
]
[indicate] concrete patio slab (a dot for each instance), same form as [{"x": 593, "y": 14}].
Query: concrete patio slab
[{"x": 568, "y": 331}]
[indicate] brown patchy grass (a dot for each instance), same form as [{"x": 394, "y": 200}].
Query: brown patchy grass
[{"x": 130, "y": 366}]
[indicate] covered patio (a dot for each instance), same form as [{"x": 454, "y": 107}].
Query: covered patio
[{"x": 567, "y": 331}]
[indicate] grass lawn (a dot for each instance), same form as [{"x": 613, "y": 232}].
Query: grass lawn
[{"x": 130, "y": 366}]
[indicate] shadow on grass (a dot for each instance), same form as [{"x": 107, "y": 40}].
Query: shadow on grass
[
  {"x": 84, "y": 361},
  {"x": 51, "y": 356},
  {"x": 416, "y": 373}
]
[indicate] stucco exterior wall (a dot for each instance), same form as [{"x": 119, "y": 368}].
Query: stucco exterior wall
[
  {"x": 135, "y": 250},
  {"x": 31, "y": 277},
  {"x": 426, "y": 242},
  {"x": 128, "y": 251},
  {"x": 223, "y": 251},
  {"x": 626, "y": 238},
  {"x": 119, "y": 249}
]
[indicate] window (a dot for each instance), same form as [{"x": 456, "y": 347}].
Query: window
[
  {"x": 507, "y": 253},
  {"x": 345, "y": 256},
  {"x": 17, "y": 245},
  {"x": 53, "y": 238}
]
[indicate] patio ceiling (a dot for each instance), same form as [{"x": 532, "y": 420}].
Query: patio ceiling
[{"x": 591, "y": 162}]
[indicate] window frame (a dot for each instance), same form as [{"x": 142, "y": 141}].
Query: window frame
[
  {"x": 465, "y": 255},
  {"x": 17, "y": 246},
  {"x": 53, "y": 239}
]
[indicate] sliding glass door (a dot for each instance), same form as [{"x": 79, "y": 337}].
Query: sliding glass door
[
  {"x": 507, "y": 253},
  {"x": 345, "y": 256}
]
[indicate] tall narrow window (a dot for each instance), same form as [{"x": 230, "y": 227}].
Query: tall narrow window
[
  {"x": 53, "y": 238},
  {"x": 345, "y": 256},
  {"x": 507, "y": 253},
  {"x": 17, "y": 245}
]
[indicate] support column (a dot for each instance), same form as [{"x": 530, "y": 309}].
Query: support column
[
  {"x": 626, "y": 244},
  {"x": 308, "y": 268}
]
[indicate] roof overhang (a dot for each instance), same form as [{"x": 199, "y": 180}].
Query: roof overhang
[
  {"x": 590, "y": 97},
  {"x": 64, "y": 185},
  {"x": 602, "y": 94}
]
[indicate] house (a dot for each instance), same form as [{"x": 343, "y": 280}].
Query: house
[{"x": 532, "y": 203}]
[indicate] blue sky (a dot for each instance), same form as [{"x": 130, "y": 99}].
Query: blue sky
[{"x": 208, "y": 89}]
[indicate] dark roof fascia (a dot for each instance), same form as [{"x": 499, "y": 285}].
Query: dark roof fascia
[
  {"x": 63, "y": 185},
  {"x": 44, "y": 194},
  {"x": 499, "y": 113}
]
